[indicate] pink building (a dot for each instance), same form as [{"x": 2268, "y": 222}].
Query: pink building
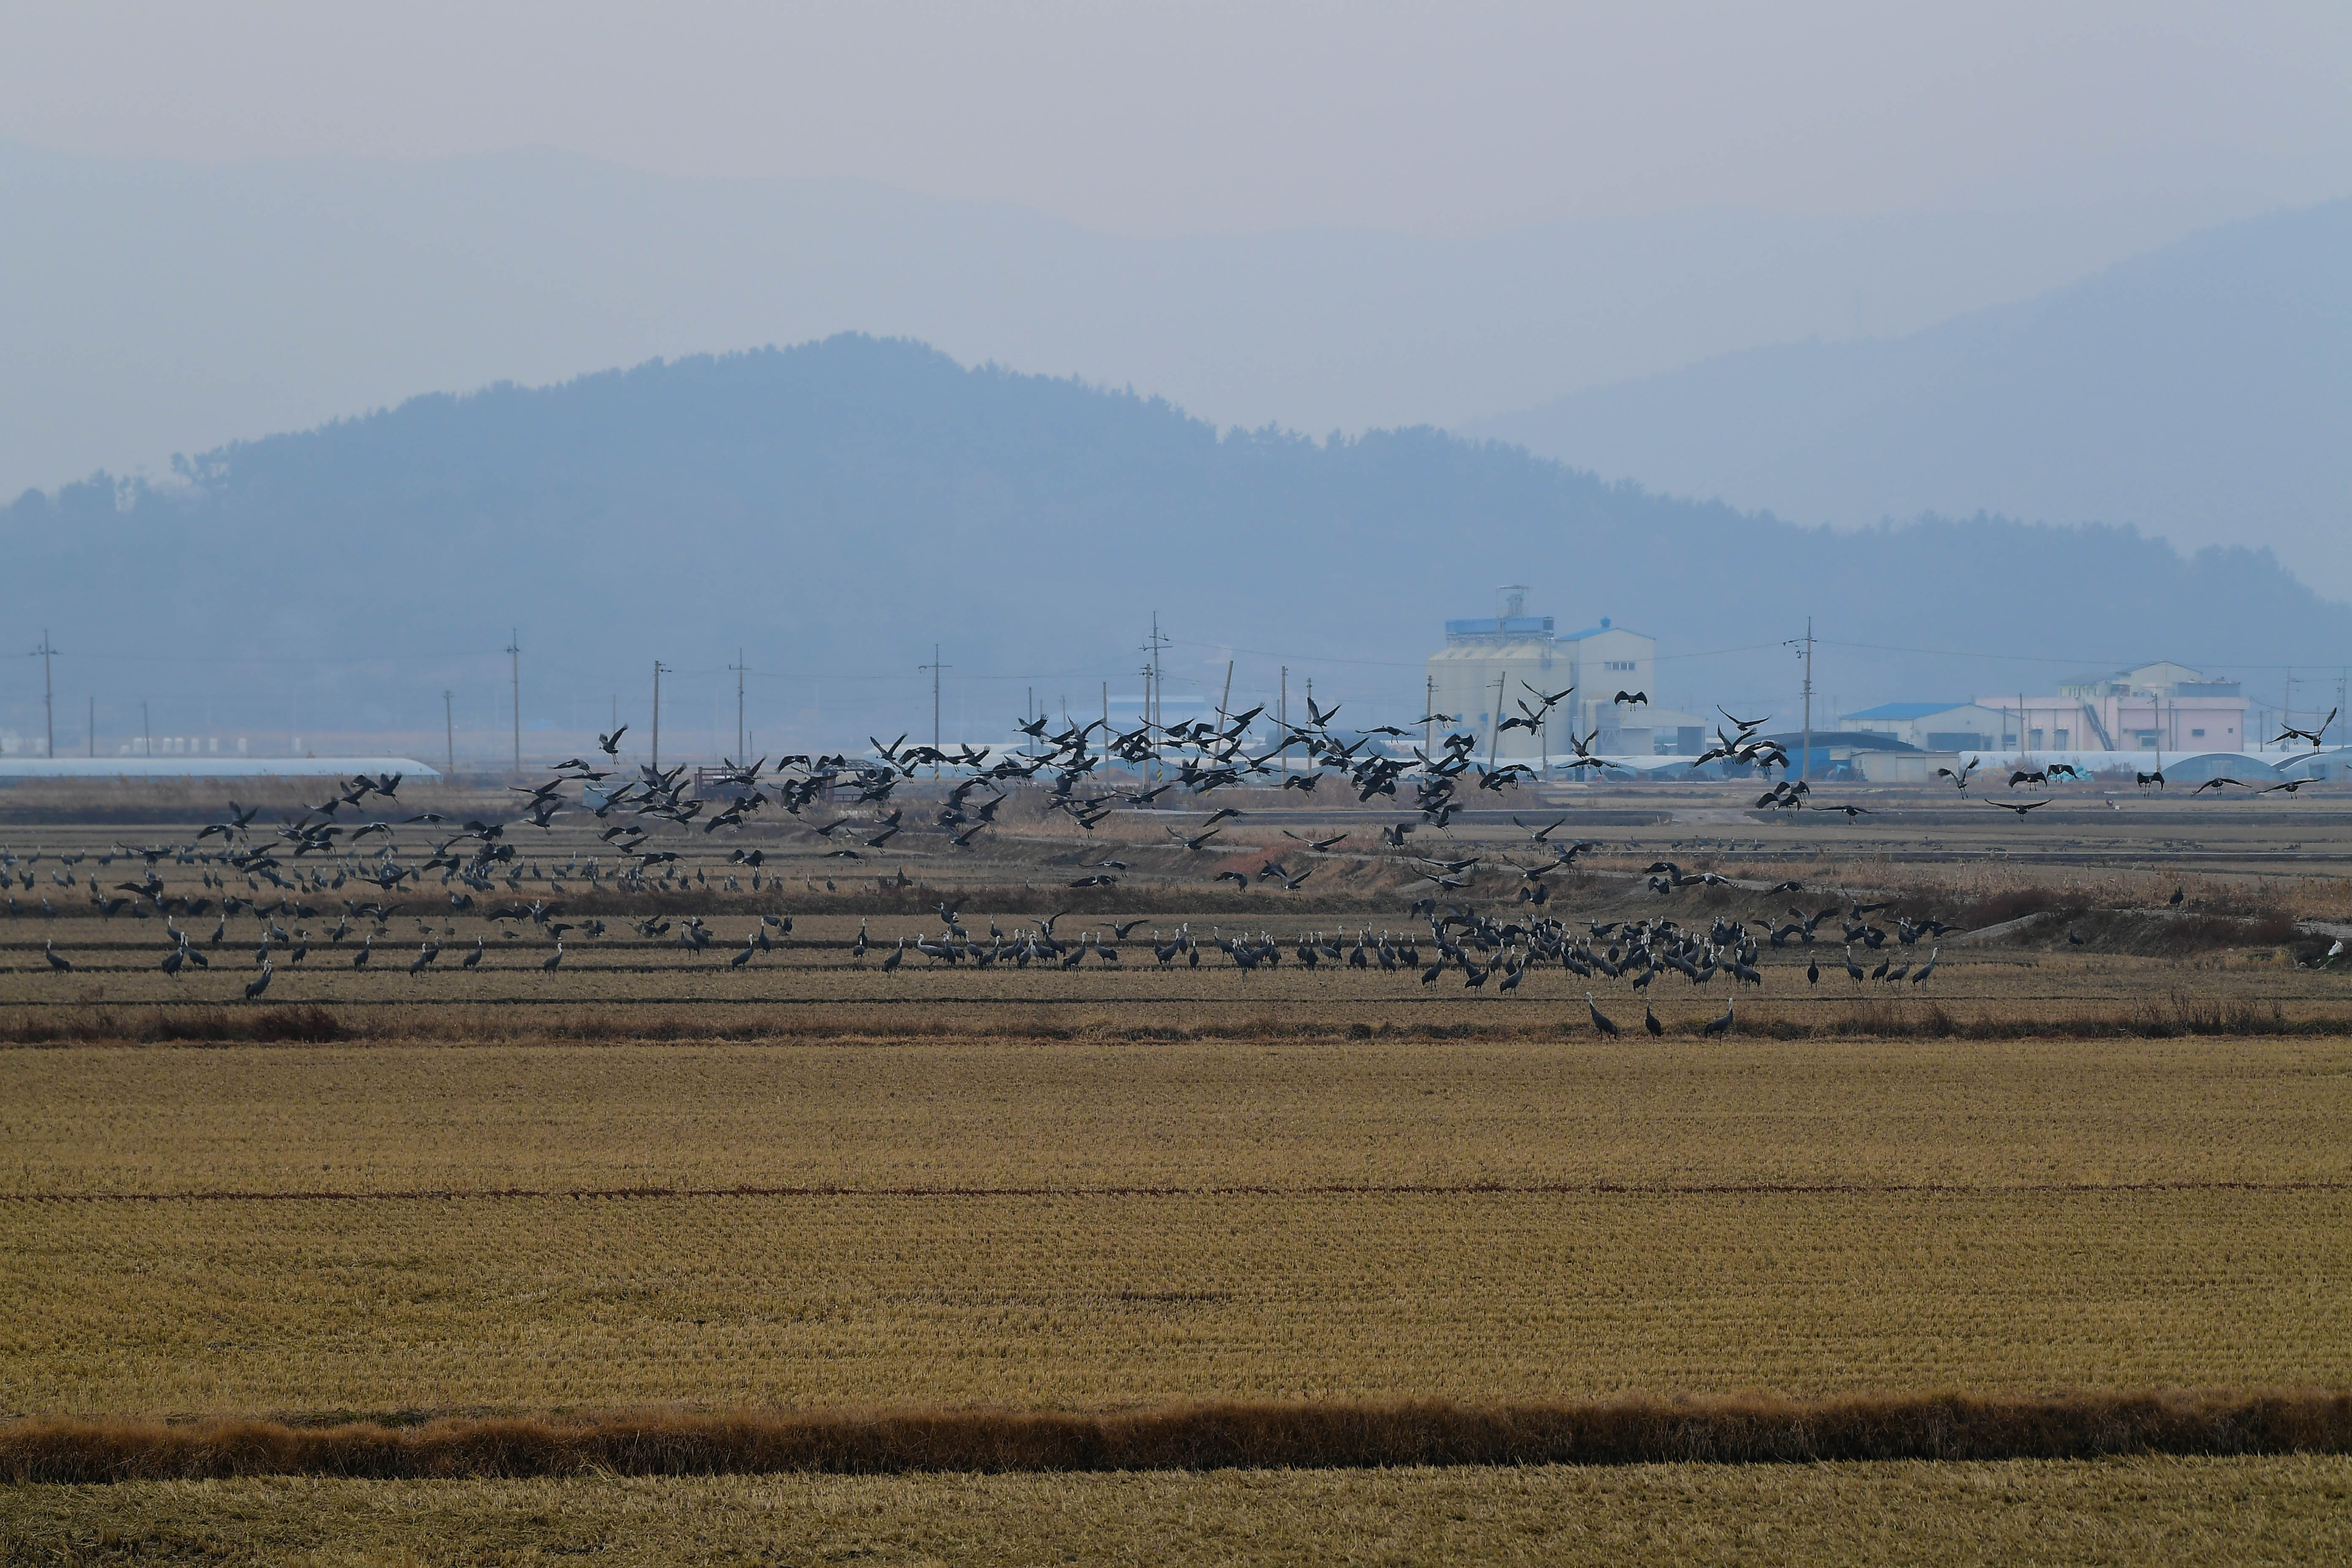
[{"x": 2159, "y": 707}]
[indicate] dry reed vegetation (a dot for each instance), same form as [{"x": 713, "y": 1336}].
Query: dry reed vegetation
[
  {"x": 1192, "y": 1437},
  {"x": 2220, "y": 1007},
  {"x": 2209, "y": 1513}
]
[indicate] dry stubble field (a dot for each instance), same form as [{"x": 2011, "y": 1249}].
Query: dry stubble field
[
  {"x": 2173, "y": 1510},
  {"x": 807, "y": 1184}
]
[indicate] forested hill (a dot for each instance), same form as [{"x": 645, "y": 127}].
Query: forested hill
[{"x": 841, "y": 506}]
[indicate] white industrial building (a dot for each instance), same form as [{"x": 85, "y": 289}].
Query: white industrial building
[
  {"x": 2159, "y": 707},
  {"x": 1490, "y": 664},
  {"x": 1937, "y": 726}
]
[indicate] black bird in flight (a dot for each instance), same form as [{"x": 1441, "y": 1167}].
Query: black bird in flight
[{"x": 2289, "y": 732}]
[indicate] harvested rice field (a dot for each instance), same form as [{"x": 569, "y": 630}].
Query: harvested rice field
[
  {"x": 312, "y": 1308},
  {"x": 370, "y": 1120},
  {"x": 2161, "y": 1511},
  {"x": 2102, "y": 1151}
]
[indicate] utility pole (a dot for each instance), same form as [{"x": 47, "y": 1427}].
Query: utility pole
[
  {"x": 742, "y": 752},
  {"x": 93, "y": 726},
  {"x": 1150, "y": 741},
  {"x": 514, "y": 652},
  {"x": 48, "y": 692},
  {"x": 1428, "y": 712},
  {"x": 146, "y": 733},
  {"x": 1495, "y": 733},
  {"x": 1809, "y": 698},
  {"x": 449, "y": 727},
  {"x": 658, "y": 667},
  {"x": 1282, "y": 716},
  {"x": 1158, "y": 716},
  {"x": 935, "y": 667},
  {"x": 1225, "y": 703},
  {"x": 1804, "y": 645}
]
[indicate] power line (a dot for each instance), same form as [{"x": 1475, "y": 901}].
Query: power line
[
  {"x": 2107, "y": 662},
  {"x": 1230, "y": 648}
]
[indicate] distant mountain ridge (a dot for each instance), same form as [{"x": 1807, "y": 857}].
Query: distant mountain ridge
[
  {"x": 838, "y": 508},
  {"x": 156, "y": 307},
  {"x": 2202, "y": 392}
]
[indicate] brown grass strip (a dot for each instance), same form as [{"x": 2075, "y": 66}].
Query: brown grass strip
[
  {"x": 1194, "y": 1437},
  {"x": 1235, "y": 1190},
  {"x": 884, "y": 1019}
]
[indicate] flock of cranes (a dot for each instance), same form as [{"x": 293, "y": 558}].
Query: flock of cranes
[
  {"x": 2067, "y": 773},
  {"x": 477, "y": 858}
]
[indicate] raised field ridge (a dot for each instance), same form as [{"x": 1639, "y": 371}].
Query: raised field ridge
[{"x": 1202, "y": 1437}]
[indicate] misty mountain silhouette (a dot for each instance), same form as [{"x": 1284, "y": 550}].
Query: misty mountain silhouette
[
  {"x": 158, "y": 306},
  {"x": 2195, "y": 391},
  {"x": 840, "y": 506}
]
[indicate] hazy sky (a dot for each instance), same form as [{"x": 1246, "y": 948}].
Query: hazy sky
[{"x": 1164, "y": 118}]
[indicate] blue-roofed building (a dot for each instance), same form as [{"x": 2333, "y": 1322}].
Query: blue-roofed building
[{"x": 1937, "y": 726}]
